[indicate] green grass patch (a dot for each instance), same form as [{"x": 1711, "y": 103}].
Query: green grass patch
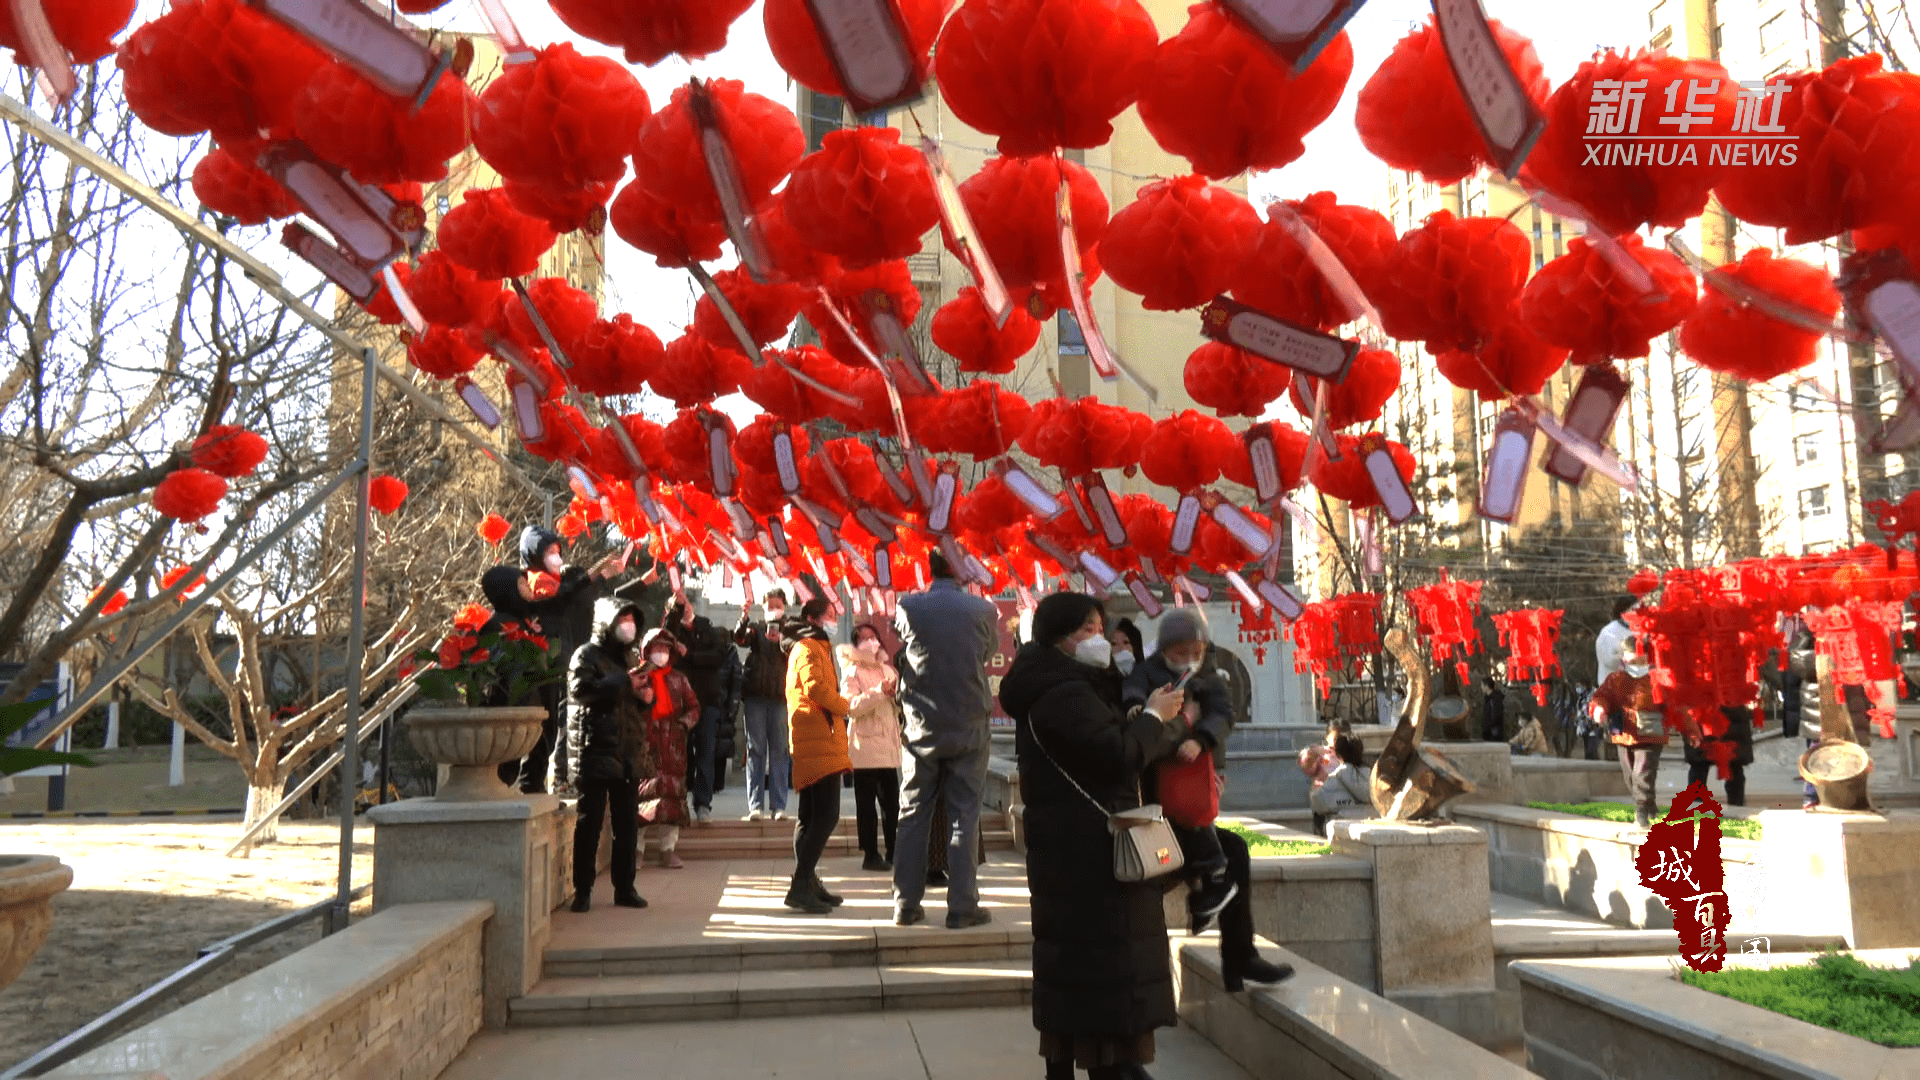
[
  {"x": 1266, "y": 845},
  {"x": 1836, "y": 991},
  {"x": 1737, "y": 828}
]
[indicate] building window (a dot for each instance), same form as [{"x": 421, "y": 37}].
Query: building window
[
  {"x": 1773, "y": 32},
  {"x": 824, "y": 113},
  {"x": 1072, "y": 342},
  {"x": 444, "y": 204},
  {"x": 1806, "y": 449},
  {"x": 1559, "y": 246},
  {"x": 1813, "y": 503},
  {"x": 877, "y": 118}
]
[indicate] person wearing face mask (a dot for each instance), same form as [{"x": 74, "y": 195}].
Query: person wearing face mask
[
  {"x": 816, "y": 716},
  {"x": 764, "y": 699},
  {"x": 672, "y": 711},
  {"x": 702, "y": 656},
  {"x": 607, "y": 750},
  {"x": 869, "y": 683},
  {"x": 1102, "y": 981},
  {"x": 1624, "y": 704},
  {"x": 1127, "y": 646}
]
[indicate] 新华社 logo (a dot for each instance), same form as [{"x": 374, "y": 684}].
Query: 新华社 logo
[{"x": 1686, "y": 129}]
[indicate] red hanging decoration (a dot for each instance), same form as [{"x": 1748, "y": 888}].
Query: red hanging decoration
[
  {"x": 85, "y": 28},
  {"x": 229, "y": 451},
  {"x": 450, "y": 294},
  {"x": 674, "y": 236},
  {"x": 1362, "y": 395},
  {"x": 767, "y": 310},
  {"x": 1232, "y": 381},
  {"x": 963, "y": 330},
  {"x": 863, "y": 197},
  {"x": 442, "y": 353},
  {"x": 1279, "y": 279},
  {"x": 230, "y": 185},
  {"x": 1581, "y": 301},
  {"x": 386, "y": 493},
  {"x": 1410, "y": 113},
  {"x": 1256, "y": 628},
  {"x": 219, "y": 66},
  {"x": 774, "y": 389},
  {"x": 562, "y": 121},
  {"x": 694, "y": 371},
  {"x": 1044, "y": 74},
  {"x": 493, "y": 528},
  {"x": 189, "y": 494},
  {"x": 1289, "y": 453},
  {"x": 1015, "y": 206},
  {"x": 1186, "y": 451},
  {"x": 982, "y": 420},
  {"x": 652, "y": 31},
  {"x": 1529, "y": 635},
  {"x": 1450, "y": 281},
  {"x": 852, "y": 292},
  {"x": 1219, "y": 97},
  {"x": 1180, "y": 243},
  {"x": 564, "y": 209},
  {"x": 377, "y": 137},
  {"x": 793, "y": 259},
  {"x": 671, "y": 165},
  {"x": 1726, "y": 335},
  {"x": 1511, "y": 360},
  {"x": 567, "y": 311},
  {"x": 1347, "y": 479},
  {"x": 614, "y": 356},
  {"x": 796, "y": 45},
  {"x": 1447, "y": 611},
  {"x": 381, "y": 305},
  {"x": 115, "y": 604},
  {"x": 488, "y": 236},
  {"x": 1856, "y": 637},
  {"x": 754, "y": 444},
  {"x": 1080, "y": 436}
]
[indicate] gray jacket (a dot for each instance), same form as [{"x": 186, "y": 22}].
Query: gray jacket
[{"x": 948, "y": 636}]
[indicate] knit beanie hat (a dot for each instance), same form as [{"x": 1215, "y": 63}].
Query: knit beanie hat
[{"x": 1177, "y": 627}]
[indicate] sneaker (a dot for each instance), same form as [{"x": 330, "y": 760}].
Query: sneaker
[
  {"x": 1207, "y": 902},
  {"x": 753, "y": 815},
  {"x": 960, "y": 920},
  {"x": 804, "y": 899},
  {"x": 632, "y": 900},
  {"x": 779, "y": 815},
  {"x": 703, "y": 815},
  {"x": 907, "y": 916},
  {"x": 671, "y": 860},
  {"x": 873, "y": 861}
]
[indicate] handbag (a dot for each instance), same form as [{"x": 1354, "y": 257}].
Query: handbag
[
  {"x": 1189, "y": 790},
  {"x": 1144, "y": 846}
]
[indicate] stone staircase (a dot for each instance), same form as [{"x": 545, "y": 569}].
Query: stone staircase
[{"x": 769, "y": 839}]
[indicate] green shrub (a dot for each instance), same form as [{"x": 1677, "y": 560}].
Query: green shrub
[
  {"x": 1737, "y": 828},
  {"x": 1266, "y": 845},
  {"x": 1836, "y": 991}
]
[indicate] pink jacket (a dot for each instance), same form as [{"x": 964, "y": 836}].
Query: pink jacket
[{"x": 873, "y": 733}]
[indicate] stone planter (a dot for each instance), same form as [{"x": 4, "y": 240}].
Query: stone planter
[
  {"x": 27, "y": 886},
  {"x": 473, "y": 743}
]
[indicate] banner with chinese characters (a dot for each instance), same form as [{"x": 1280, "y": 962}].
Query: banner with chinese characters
[{"x": 1680, "y": 863}]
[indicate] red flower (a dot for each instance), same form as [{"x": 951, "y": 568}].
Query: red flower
[
  {"x": 449, "y": 652},
  {"x": 479, "y": 656},
  {"x": 471, "y": 618}
]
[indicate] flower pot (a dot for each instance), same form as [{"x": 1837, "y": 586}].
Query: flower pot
[
  {"x": 27, "y": 886},
  {"x": 473, "y": 743}
]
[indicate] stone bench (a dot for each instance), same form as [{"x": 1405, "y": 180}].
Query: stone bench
[{"x": 1566, "y": 780}]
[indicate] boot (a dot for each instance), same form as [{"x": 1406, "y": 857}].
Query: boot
[
  {"x": 1129, "y": 1071},
  {"x": 820, "y": 890},
  {"x": 630, "y": 898},
  {"x": 1206, "y": 903},
  {"x": 1254, "y": 970},
  {"x": 873, "y": 861},
  {"x": 801, "y": 897},
  {"x": 582, "y": 901},
  {"x": 1061, "y": 1069}
]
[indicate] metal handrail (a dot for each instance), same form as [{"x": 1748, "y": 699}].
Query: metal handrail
[{"x": 211, "y": 958}]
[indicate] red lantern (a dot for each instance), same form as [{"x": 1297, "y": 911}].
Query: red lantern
[
  {"x": 564, "y": 210},
  {"x": 671, "y": 165},
  {"x": 228, "y": 451},
  {"x": 85, "y": 28},
  {"x": 773, "y": 387},
  {"x": 380, "y": 138},
  {"x": 442, "y": 353},
  {"x": 1014, "y": 203},
  {"x": 871, "y": 411},
  {"x": 1219, "y": 97},
  {"x": 1580, "y": 301},
  {"x": 655, "y": 30},
  {"x": 386, "y": 493},
  {"x": 767, "y": 310},
  {"x": 1347, "y": 479},
  {"x": 172, "y": 577},
  {"x": 1180, "y": 243},
  {"x": 1232, "y": 381},
  {"x": 854, "y": 292},
  {"x": 219, "y": 66},
  {"x": 1450, "y": 281},
  {"x": 1186, "y": 450},
  {"x": 1529, "y": 635},
  {"x": 567, "y": 311},
  {"x": 673, "y": 236},
  {"x": 1082, "y": 435},
  {"x": 1279, "y": 279},
  {"x": 1727, "y": 335},
  {"x": 1447, "y": 610},
  {"x": 488, "y": 236},
  {"x": 1289, "y": 453},
  {"x": 1856, "y": 133},
  {"x": 964, "y": 330},
  {"x": 1620, "y": 198},
  {"x": 793, "y": 259},
  {"x": 863, "y": 197},
  {"x": 982, "y": 420},
  {"x": 688, "y": 448},
  {"x": 115, "y": 604},
  {"x": 754, "y": 445},
  {"x": 854, "y": 462},
  {"x": 614, "y": 356},
  {"x": 229, "y": 185},
  {"x": 797, "y": 48},
  {"x": 189, "y": 494},
  {"x": 563, "y": 121},
  {"x": 1411, "y": 115},
  {"x": 493, "y": 528},
  {"x": 1359, "y": 398},
  {"x": 381, "y": 304},
  {"x": 450, "y": 294},
  {"x": 990, "y": 508},
  {"x": 1511, "y": 360},
  {"x": 694, "y": 371}
]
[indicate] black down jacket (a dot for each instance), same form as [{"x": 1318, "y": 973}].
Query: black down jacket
[
  {"x": 1100, "y": 965},
  {"x": 1206, "y": 689},
  {"x": 606, "y": 722}
]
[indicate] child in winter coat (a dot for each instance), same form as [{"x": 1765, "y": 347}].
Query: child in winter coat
[{"x": 869, "y": 684}]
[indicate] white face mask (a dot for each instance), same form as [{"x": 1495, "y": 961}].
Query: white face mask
[
  {"x": 659, "y": 657},
  {"x": 1094, "y": 652},
  {"x": 775, "y": 615},
  {"x": 555, "y": 563},
  {"x": 1124, "y": 661},
  {"x": 870, "y": 646},
  {"x": 1190, "y": 666},
  {"x": 624, "y": 632}
]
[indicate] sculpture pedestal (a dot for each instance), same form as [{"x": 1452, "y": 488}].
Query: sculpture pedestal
[
  {"x": 426, "y": 850},
  {"x": 1832, "y": 872}
]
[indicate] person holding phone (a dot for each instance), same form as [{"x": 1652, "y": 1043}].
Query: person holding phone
[{"x": 672, "y": 712}]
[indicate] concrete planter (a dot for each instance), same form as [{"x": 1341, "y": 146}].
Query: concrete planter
[
  {"x": 473, "y": 743},
  {"x": 28, "y": 884}
]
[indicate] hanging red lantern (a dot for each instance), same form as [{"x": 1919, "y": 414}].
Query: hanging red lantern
[
  {"x": 1447, "y": 610},
  {"x": 1043, "y": 74},
  {"x": 386, "y": 493},
  {"x": 1232, "y": 381},
  {"x": 796, "y": 45},
  {"x": 1186, "y": 450},
  {"x": 115, "y": 604},
  {"x": 488, "y": 236},
  {"x": 1289, "y": 455},
  {"x": 1079, "y": 436},
  {"x": 449, "y": 294},
  {"x": 767, "y": 310},
  {"x": 1180, "y": 243},
  {"x": 1727, "y": 335},
  {"x": 381, "y": 305},
  {"x": 754, "y": 445},
  {"x": 1580, "y": 300},
  {"x": 1855, "y": 130},
  {"x": 655, "y": 30},
  {"x": 1347, "y": 479},
  {"x": 1279, "y": 279},
  {"x": 442, "y": 353},
  {"x": 493, "y": 528},
  {"x": 562, "y": 121},
  {"x": 853, "y": 460},
  {"x": 564, "y": 210},
  {"x": 964, "y": 330},
  {"x": 871, "y": 410},
  {"x": 1450, "y": 280},
  {"x": 229, "y": 185},
  {"x": 671, "y": 164},
  {"x": 990, "y": 508},
  {"x": 649, "y": 438},
  {"x": 1511, "y": 360},
  {"x": 189, "y": 494},
  {"x": 1529, "y": 635},
  {"x": 614, "y": 356},
  {"x": 1014, "y": 204},
  {"x": 1410, "y": 113},
  {"x": 675, "y": 237},
  {"x": 1360, "y": 397},
  {"x": 1619, "y": 198},
  {"x": 84, "y": 28},
  {"x": 229, "y": 451},
  {"x": 983, "y": 419},
  {"x": 793, "y": 259},
  {"x": 863, "y": 197},
  {"x": 1219, "y": 97},
  {"x": 687, "y": 445},
  {"x": 1316, "y": 644},
  {"x": 774, "y": 388},
  {"x": 219, "y": 66},
  {"x": 566, "y": 311},
  {"x": 693, "y": 371},
  {"x": 380, "y": 138},
  {"x": 854, "y": 292}
]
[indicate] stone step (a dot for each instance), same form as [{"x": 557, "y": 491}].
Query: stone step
[
  {"x": 851, "y": 947},
  {"x": 704, "y": 844},
  {"x": 725, "y": 995}
]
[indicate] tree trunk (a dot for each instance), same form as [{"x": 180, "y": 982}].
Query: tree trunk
[{"x": 263, "y": 794}]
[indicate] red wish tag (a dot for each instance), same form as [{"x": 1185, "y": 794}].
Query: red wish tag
[
  {"x": 871, "y": 52},
  {"x": 1270, "y": 338},
  {"x": 339, "y": 268},
  {"x": 391, "y": 58},
  {"x": 1509, "y": 121},
  {"x": 946, "y": 487},
  {"x": 1395, "y": 497},
  {"x": 777, "y": 535},
  {"x": 895, "y": 479},
  {"x": 526, "y": 413},
  {"x": 1266, "y": 462},
  {"x": 719, "y": 453},
  {"x": 1104, "y": 511},
  {"x": 1247, "y": 595},
  {"x": 1284, "y": 598},
  {"x": 1296, "y": 30},
  {"x": 1052, "y": 550},
  {"x": 1097, "y": 570},
  {"x": 1149, "y": 604},
  {"x": 1256, "y": 540},
  {"x": 43, "y": 50},
  {"x": 1027, "y": 489},
  {"x": 784, "y": 461},
  {"x": 477, "y": 402},
  {"x": 1590, "y": 415},
  {"x": 883, "y": 566},
  {"x": 1098, "y": 352},
  {"x": 1880, "y": 289},
  {"x": 1504, "y": 480},
  {"x": 333, "y": 200},
  {"x": 876, "y": 524},
  {"x": 961, "y": 232},
  {"x": 744, "y": 528},
  {"x": 724, "y": 169}
]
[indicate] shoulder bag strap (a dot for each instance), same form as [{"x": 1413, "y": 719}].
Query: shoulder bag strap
[{"x": 1031, "y": 730}]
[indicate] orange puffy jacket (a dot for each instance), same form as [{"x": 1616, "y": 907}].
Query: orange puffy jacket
[{"x": 816, "y": 712}]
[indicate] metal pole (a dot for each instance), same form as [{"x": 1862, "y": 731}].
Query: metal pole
[{"x": 356, "y": 651}]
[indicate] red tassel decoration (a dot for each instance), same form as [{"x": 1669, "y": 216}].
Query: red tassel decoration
[{"x": 386, "y": 493}]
